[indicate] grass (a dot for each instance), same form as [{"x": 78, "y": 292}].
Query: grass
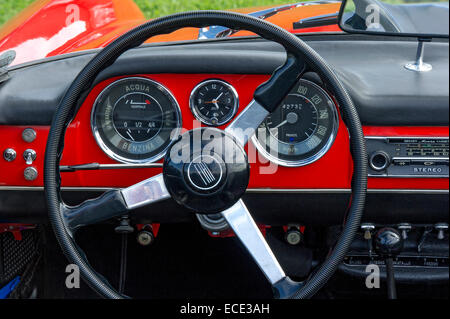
[{"x": 9, "y": 8}]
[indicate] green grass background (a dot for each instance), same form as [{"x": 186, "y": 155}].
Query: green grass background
[{"x": 9, "y": 8}]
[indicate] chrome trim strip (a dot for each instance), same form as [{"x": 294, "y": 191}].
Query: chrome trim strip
[
  {"x": 374, "y": 137},
  {"x": 418, "y": 158},
  {"x": 96, "y": 166},
  {"x": 407, "y": 176},
  {"x": 298, "y": 190},
  {"x": 345, "y": 190},
  {"x": 67, "y": 189},
  {"x": 250, "y": 190}
]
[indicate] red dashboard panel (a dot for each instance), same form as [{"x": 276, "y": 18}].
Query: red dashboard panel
[{"x": 332, "y": 171}]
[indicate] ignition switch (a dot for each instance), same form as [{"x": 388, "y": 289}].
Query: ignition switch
[
  {"x": 293, "y": 235},
  {"x": 145, "y": 236}
]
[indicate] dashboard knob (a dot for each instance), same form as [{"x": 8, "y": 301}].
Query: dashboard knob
[
  {"x": 441, "y": 228},
  {"x": 29, "y": 135},
  {"x": 404, "y": 228},
  {"x": 293, "y": 236},
  {"x": 368, "y": 229},
  {"x": 30, "y": 173},
  {"x": 388, "y": 242},
  {"x": 379, "y": 161},
  {"x": 9, "y": 155},
  {"x": 145, "y": 236}
]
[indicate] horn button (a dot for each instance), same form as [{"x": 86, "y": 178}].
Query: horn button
[{"x": 206, "y": 170}]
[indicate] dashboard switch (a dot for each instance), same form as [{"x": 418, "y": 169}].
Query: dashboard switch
[
  {"x": 30, "y": 173},
  {"x": 29, "y": 155},
  {"x": 9, "y": 155},
  {"x": 404, "y": 228},
  {"x": 368, "y": 230},
  {"x": 441, "y": 228}
]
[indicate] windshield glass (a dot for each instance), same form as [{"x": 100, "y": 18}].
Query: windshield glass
[
  {"x": 413, "y": 17},
  {"x": 44, "y": 28}
]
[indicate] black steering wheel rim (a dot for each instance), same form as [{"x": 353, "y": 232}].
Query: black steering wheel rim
[{"x": 70, "y": 103}]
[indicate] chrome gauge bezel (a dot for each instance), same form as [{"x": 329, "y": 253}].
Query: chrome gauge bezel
[
  {"x": 316, "y": 156},
  {"x": 123, "y": 159},
  {"x": 199, "y": 116}
]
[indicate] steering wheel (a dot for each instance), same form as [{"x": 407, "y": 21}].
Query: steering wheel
[{"x": 220, "y": 153}]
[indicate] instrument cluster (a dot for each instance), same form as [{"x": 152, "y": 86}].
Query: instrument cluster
[{"x": 135, "y": 119}]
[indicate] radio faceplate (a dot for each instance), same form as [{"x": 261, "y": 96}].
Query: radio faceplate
[{"x": 408, "y": 156}]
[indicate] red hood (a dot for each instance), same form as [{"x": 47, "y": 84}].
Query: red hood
[{"x": 52, "y": 27}]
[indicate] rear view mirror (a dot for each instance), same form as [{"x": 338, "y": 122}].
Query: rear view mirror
[{"x": 414, "y": 18}]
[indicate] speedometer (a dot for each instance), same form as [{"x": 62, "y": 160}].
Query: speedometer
[
  {"x": 134, "y": 120},
  {"x": 302, "y": 129}
]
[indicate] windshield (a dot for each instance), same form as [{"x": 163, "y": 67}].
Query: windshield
[
  {"x": 44, "y": 28},
  {"x": 423, "y": 18}
]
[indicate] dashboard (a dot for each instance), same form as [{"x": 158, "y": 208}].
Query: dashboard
[
  {"x": 100, "y": 134},
  {"x": 136, "y": 109}
]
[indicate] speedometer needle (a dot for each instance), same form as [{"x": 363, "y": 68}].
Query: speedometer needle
[{"x": 281, "y": 124}]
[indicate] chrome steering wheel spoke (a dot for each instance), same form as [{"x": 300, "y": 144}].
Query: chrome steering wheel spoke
[
  {"x": 115, "y": 203},
  {"x": 267, "y": 97},
  {"x": 147, "y": 192},
  {"x": 239, "y": 219},
  {"x": 245, "y": 125}
]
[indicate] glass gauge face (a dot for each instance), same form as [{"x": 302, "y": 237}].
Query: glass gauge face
[
  {"x": 214, "y": 102},
  {"x": 134, "y": 120},
  {"x": 301, "y": 129},
  {"x": 137, "y": 117}
]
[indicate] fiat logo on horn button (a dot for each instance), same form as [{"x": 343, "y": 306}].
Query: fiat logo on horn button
[{"x": 205, "y": 172}]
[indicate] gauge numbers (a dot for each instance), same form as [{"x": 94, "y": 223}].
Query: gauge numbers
[
  {"x": 214, "y": 102},
  {"x": 301, "y": 129},
  {"x": 134, "y": 120}
]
